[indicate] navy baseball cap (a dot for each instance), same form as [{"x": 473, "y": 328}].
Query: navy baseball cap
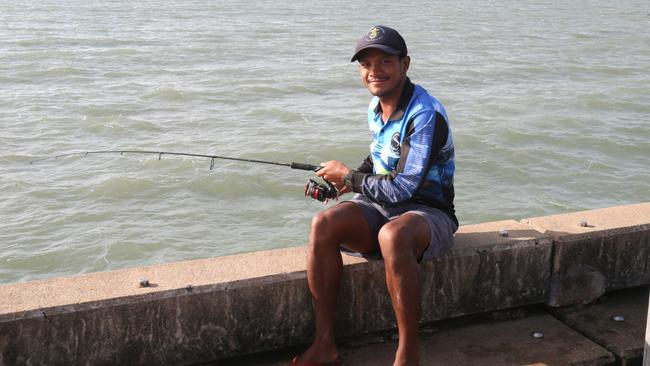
[{"x": 381, "y": 37}]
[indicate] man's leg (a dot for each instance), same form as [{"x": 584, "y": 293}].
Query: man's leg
[
  {"x": 402, "y": 243},
  {"x": 346, "y": 224}
]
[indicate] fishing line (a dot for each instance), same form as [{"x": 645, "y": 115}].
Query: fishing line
[{"x": 313, "y": 189}]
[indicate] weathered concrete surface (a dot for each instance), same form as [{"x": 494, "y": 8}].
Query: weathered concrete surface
[
  {"x": 611, "y": 252},
  {"x": 23, "y": 299},
  {"x": 235, "y": 305},
  {"x": 596, "y": 321},
  {"x": 646, "y": 353},
  {"x": 483, "y": 272},
  {"x": 217, "y": 308},
  {"x": 251, "y": 302},
  {"x": 486, "y": 271},
  {"x": 487, "y": 343}
]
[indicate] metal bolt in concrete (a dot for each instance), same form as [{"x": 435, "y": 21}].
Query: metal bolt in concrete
[
  {"x": 537, "y": 335},
  {"x": 618, "y": 318}
]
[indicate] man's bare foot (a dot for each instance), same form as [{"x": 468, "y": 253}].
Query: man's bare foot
[{"x": 319, "y": 353}]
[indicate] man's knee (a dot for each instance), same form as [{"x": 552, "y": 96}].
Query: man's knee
[
  {"x": 332, "y": 224},
  {"x": 320, "y": 220},
  {"x": 327, "y": 220},
  {"x": 322, "y": 230},
  {"x": 344, "y": 224},
  {"x": 394, "y": 242},
  {"x": 400, "y": 240}
]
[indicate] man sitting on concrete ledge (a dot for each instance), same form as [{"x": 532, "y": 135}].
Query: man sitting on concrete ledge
[{"x": 403, "y": 211}]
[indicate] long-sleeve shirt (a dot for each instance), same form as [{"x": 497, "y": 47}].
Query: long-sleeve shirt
[{"x": 411, "y": 155}]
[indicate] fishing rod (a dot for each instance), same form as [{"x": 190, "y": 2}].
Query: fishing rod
[{"x": 313, "y": 189}]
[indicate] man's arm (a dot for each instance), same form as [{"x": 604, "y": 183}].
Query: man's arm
[{"x": 366, "y": 165}]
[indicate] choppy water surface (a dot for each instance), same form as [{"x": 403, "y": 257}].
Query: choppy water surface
[{"x": 549, "y": 104}]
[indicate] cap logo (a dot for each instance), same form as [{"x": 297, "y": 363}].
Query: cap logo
[{"x": 374, "y": 34}]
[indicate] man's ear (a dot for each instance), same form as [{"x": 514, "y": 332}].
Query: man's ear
[{"x": 406, "y": 62}]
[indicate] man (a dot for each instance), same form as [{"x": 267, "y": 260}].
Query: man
[{"x": 403, "y": 211}]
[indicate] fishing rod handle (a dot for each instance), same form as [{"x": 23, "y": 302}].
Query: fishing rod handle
[{"x": 302, "y": 166}]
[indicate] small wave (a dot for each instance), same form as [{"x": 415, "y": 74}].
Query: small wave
[
  {"x": 122, "y": 51},
  {"x": 270, "y": 113},
  {"x": 245, "y": 184},
  {"x": 262, "y": 90},
  {"x": 166, "y": 93},
  {"x": 87, "y": 217},
  {"x": 17, "y": 158},
  {"x": 9, "y": 79},
  {"x": 145, "y": 126},
  {"x": 117, "y": 75},
  {"x": 35, "y": 42},
  {"x": 612, "y": 70},
  {"x": 594, "y": 102},
  {"x": 583, "y": 36},
  {"x": 121, "y": 187},
  {"x": 101, "y": 126},
  {"x": 118, "y": 124},
  {"x": 57, "y": 72},
  {"x": 304, "y": 89},
  {"x": 546, "y": 198}
]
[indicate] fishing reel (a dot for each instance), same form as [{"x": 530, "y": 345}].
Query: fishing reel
[{"x": 320, "y": 191}]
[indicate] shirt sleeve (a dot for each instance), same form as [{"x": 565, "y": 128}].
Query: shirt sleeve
[
  {"x": 416, "y": 152},
  {"x": 366, "y": 165}
]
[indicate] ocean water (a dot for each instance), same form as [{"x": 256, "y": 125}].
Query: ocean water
[{"x": 549, "y": 104}]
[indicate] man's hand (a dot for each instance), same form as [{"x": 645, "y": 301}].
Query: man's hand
[{"x": 334, "y": 171}]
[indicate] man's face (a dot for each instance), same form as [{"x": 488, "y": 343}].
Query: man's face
[{"x": 382, "y": 73}]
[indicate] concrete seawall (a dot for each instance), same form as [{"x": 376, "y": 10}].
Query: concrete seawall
[
  {"x": 206, "y": 310},
  {"x": 646, "y": 352}
]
